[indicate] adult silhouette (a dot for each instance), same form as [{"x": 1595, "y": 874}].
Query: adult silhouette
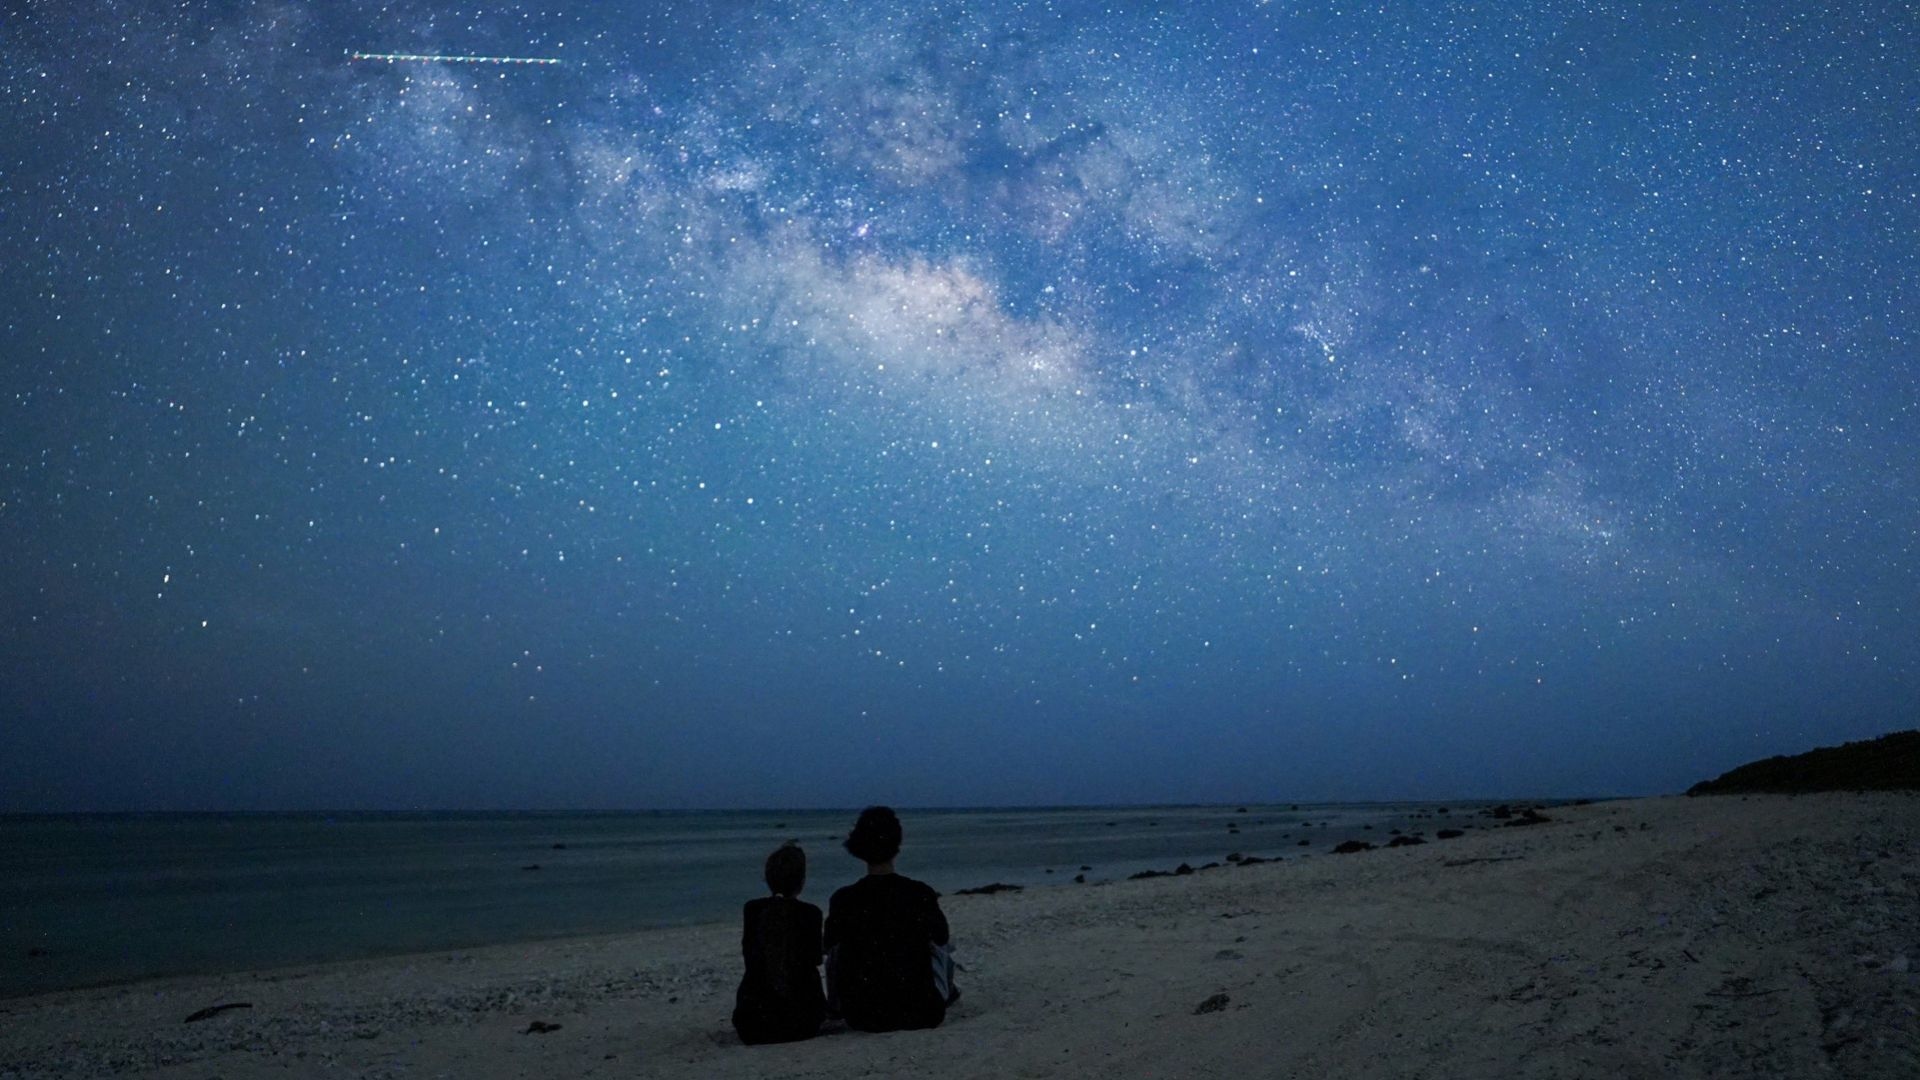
[{"x": 886, "y": 938}]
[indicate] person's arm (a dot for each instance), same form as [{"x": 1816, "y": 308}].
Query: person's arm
[
  {"x": 936, "y": 919},
  {"x": 830, "y": 934},
  {"x": 746, "y": 931},
  {"x": 814, "y": 936}
]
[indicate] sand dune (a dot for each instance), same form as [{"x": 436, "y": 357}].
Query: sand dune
[{"x": 1761, "y": 936}]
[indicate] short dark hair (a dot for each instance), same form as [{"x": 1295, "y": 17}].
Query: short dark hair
[
  {"x": 787, "y": 869},
  {"x": 876, "y": 836}
]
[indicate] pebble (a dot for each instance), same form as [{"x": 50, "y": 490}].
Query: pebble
[{"x": 1898, "y": 963}]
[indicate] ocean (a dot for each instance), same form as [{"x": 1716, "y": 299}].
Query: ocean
[{"x": 94, "y": 899}]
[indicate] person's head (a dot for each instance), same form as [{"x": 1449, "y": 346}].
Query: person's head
[
  {"x": 787, "y": 869},
  {"x": 875, "y": 838}
]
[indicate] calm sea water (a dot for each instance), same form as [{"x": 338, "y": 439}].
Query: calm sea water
[{"x": 93, "y": 899}]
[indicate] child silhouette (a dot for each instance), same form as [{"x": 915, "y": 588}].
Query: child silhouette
[{"x": 779, "y": 999}]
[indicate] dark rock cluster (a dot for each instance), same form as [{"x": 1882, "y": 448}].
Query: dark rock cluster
[
  {"x": 988, "y": 890},
  {"x": 1517, "y": 815}
]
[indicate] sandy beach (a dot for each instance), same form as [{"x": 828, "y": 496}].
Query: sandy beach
[{"x": 1726, "y": 936}]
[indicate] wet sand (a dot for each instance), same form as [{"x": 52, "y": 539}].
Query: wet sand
[{"x": 1724, "y": 936}]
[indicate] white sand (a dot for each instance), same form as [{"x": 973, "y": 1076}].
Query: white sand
[{"x": 1726, "y": 937}]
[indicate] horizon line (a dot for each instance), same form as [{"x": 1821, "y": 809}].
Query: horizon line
[{"x": 941, "y": 808}]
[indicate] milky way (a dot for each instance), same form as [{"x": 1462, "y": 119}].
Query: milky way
[{"x": 824, "y": 403}]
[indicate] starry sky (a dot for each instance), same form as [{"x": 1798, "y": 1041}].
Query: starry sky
[{"x": 820, "y": 403}]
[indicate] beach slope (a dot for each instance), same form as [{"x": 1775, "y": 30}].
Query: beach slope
[{"x": 1738, "y": 936}]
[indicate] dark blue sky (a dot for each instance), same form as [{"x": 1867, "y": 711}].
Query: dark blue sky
[{"x": 824, "y": 403}]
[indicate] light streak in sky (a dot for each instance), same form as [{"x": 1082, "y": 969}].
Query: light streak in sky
[{"x": 432, "y": 58}]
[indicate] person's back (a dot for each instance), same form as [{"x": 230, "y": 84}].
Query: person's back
[
  {"x": 884, "y": 928},
  {"x": 885, "y": 938},
  {"x": 779, "y": 999}
]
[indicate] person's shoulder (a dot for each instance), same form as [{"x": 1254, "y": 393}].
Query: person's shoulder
[
  {"x": 917, "y": 887},
  {"x": 801, "y": 909}
]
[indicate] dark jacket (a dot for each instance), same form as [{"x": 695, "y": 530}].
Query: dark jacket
[
  {"x": 779, "y": 999},
  {"x": 881, "y": 931}
]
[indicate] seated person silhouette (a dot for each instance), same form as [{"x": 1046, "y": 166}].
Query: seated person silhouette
[
  {"x": 888, "y": 966},
  {"x": 779, "y": 999}
]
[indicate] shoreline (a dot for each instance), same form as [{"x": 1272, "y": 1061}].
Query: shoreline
[
  {"x": 815, "y": 894},
  {"x": 1642, "y": 923},
  {"x": 102, "y": 902}
]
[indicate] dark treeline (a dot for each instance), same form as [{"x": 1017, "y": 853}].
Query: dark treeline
[{"x": 1890, "y": 762}]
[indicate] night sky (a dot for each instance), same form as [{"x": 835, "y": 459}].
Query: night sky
[{"x": 950, "y": 403}]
